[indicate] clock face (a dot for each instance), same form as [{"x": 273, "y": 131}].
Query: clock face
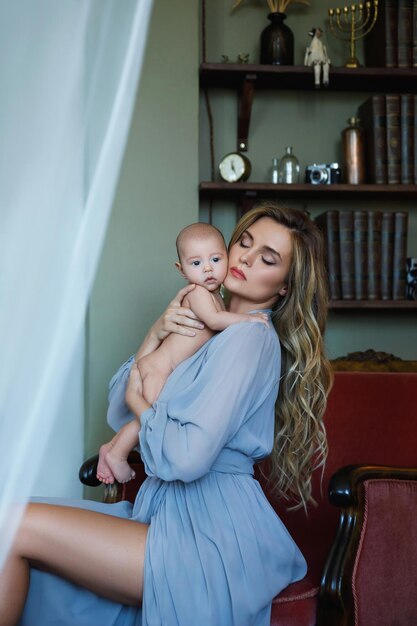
[{"x": 234, "y": 167}]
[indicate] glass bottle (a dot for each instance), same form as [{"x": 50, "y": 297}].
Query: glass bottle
[
  {"x": 274, "y": 174},
  {"x": 289, "y": 168}
]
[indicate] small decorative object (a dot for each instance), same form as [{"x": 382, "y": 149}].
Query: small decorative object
[
  {"x": 323, "y": 174},
  {"x": 274, "y": 173},
  {"x": 235, "y": 167},
  {"x": 353, "y": 140},
  {"x": 358, "y": 20},
  {"x": 277, "y": 42},
  {"x": 277, "y": 39},
  {"x": 316, "y": 56},
  {"x": 243, "y": 57},
  {"x": 289, "y": 168},
  {"x": 225, "y": 58}
]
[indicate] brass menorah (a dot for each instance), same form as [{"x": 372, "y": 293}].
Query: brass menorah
[{"x": 355, "y": 21}]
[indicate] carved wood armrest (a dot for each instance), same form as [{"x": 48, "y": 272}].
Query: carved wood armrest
[{"x": 346, "y": 490}]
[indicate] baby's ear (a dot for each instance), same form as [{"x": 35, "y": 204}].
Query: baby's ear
[{"x": 179, "y": 268}]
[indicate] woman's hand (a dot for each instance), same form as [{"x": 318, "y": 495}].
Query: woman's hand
[
  {"x": 177, "y": 319},
  {"x": 134, "y": 392}
]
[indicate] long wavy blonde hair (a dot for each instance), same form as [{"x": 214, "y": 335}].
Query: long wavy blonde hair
[{"x": 299, "y": 317}]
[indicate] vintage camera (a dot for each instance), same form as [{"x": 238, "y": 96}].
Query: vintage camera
[
  {"x": 323, "y": 174},
  {"x": 411, "y": 278}
]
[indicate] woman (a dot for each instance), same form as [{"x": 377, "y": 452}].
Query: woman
[{"x": 201, "y": 545}]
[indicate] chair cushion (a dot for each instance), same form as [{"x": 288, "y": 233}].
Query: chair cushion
[{"x": 296, "y": 605}]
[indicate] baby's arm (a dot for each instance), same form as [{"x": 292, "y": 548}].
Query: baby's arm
[{"x": 201, "y": 302}]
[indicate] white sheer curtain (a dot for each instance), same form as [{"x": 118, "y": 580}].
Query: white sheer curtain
[{"x": 68, "y": 76}]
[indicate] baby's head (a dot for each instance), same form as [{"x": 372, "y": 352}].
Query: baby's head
[{"x": 202, "y": 255}]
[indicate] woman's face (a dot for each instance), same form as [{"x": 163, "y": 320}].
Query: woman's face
[{"x": 259, "y": 264}]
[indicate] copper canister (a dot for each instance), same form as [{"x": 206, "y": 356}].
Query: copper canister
[{"x": 353, "y": 139}]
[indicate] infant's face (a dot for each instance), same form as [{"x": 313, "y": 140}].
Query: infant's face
[{"x": 204, "y": 261}]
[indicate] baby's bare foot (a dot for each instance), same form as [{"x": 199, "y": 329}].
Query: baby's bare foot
[
  {"x": 119, "y": 467},
  {"x": 104, "y": 472}
]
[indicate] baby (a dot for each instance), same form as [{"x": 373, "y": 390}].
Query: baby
[{"x": 202, "y": 261}]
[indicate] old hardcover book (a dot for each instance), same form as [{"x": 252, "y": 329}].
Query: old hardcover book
[
  {"x": 347, "y": 262},
  {"x": 414, "y": 35},
  {"x": 407, "y": 138},
  {"x": 387, "y": 254},
  {"x": 415, "y": 140},
  {"x": 360, "y": 246},
  {"x": 372, "y": 115},
  {"x": 381, "y": 43},
  {"x": 405, "y": 33},
  {"x": 328, "y": 222},
  {"x": 374, "y": 255},
  {"x": 400, "y": 255},
  {"x": 393, "y": 113}
]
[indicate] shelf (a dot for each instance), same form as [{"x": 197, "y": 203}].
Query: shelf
[
  {"x": 305, "y": 191},
  {"x": 233, "y": 76},
  {"x": 373, "y": 304},
  {"x": 247, "y": 78}
]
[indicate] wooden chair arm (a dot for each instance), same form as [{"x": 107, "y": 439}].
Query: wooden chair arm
[
  {"x": 88, "y": 471},
  {"x": 336, "y": 602}
]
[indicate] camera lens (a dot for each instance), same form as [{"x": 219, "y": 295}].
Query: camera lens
[{"x": 318, "y": 175}]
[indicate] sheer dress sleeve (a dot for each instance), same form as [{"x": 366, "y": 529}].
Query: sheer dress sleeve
[
  {"x": 118, "y": 413},
  {"x": 180, "y": 438}
]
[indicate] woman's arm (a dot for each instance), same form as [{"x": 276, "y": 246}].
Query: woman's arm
[{"x": 181, "y": 437}]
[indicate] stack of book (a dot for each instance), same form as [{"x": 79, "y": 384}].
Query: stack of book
[
  {"x": 393, "y": 40},
  {"x": 390, "y": 123},
  {"x": 366, "y": 254}
]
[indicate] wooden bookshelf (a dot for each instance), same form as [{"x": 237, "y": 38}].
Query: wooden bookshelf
[
  {"x": 299, "y": 77},
  {"x": 373, "y": 304},
  {"x": 217, "y": 190},
  {"x": 246, "y": 80}
]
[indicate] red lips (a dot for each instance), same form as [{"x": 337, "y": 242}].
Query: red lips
[{"x": 237, "y": 273}]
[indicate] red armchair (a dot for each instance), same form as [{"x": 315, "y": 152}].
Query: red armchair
[
  {"x": 370, "y": 577},
  {"x": 371, "y": 419}
]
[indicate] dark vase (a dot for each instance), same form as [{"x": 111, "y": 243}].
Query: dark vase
[{"x": 277, "y": 42}]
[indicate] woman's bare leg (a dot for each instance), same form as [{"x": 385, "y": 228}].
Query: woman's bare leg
[{"x": 102, "y": 553}]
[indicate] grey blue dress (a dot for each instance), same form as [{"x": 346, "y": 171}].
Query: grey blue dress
[{"x": 216, "y": 551}]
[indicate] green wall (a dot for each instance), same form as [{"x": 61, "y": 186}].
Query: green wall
[
  {"x": 311, "y": 122},
  {"x": 157, "y": 195},
  {"x": 168, "y": 152}
]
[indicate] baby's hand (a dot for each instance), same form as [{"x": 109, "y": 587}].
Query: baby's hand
[{"x": 259, "y": 317}]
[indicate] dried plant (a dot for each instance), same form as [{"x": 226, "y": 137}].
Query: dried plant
[{"x": 277, "y": 6}]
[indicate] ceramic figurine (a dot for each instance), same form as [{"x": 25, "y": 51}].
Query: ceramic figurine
[
  {"x": 316, "y": 56},
  {"x": 243, "y": 58}
]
